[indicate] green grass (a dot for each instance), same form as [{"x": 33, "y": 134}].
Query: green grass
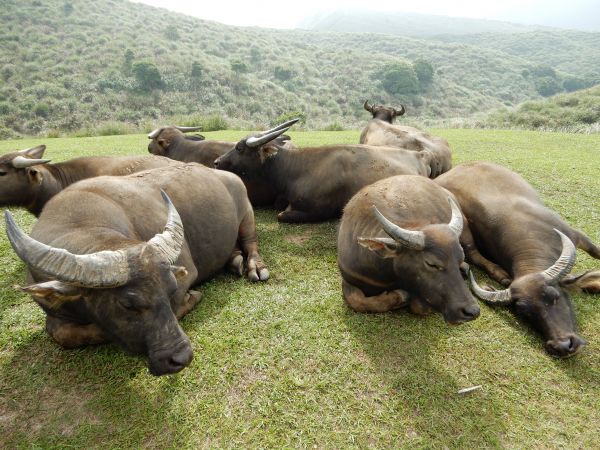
[{"x": 286, "y": 364}]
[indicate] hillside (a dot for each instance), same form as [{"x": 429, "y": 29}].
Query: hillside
[
  {"x": 407, "y": 24},
  {"x": 83, "y": 64},
  {"x": 577, "y": 111}
]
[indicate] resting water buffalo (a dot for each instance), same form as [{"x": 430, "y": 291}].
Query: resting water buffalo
[
  {"x": 106, "y": 268},
  {"x": 532, "y": 245},
  {"x": 380, "y": 131},
  {"x": 317, "y": 182},
  {"x": 173, "y": 143},
  {"x": 28, "y": 181},
  {"x": 419, "y": 265}
]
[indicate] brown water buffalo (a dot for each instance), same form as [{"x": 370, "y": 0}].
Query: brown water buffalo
[
  {"x": 317, "y": 182},
  {"x": 532, "y": 246},
  {"x": 173, "y": 143},
  {"x": 418, "y": 264},
  {"x": 28, "y": 181},
  {"x": 381, "y": 131},
  {"x": 104, "y": 267}
]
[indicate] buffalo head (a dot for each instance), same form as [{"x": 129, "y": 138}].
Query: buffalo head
[
  {"x": 248, "y": 156},
  {"x": 162, "y": 138},
  {"x": 19, "y": 176},
  {"x": 125, "y": 292},
  {"x": 429, "y": 260},
  {"x": 385, "y": 113},
  {"x": 540, "y": 298}
]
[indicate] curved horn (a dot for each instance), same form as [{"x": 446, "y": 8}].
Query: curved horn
[
  {"x": 170, "y": 241},
  {"x": 188, "y": 129},
  {"x": 414, "y": 240},
  {"x": 565, "y": 261},
  {"x": 257, "y": 141},
  {"x": 20, "y": 162},
  {"x": 101, "y": 269},
  {"x": 286, "y": 125},
  {"x": 493, "y": 297},
  {"x": 401, "y": 112},
  {"x": 154, "y": 133},
  {"x": 456, "y": 222},
  {"x": 368, "y": 107}
]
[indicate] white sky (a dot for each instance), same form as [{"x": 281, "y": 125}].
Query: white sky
[{"x": 286, "y": 14}]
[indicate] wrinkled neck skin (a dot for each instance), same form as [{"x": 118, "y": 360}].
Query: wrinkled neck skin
[{"x": 281, "y": 169}]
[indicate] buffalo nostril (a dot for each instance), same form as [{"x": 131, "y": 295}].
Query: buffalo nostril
[
  {"x": 182, "y": 358},
  {"x": 471, "y": 312}
]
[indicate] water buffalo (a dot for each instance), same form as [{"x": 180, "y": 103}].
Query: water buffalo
[
  {"x": 317, "y": 182},
  {"x": 532, "y": 246},
  {"x": 104, "y": 267},
  {"x": 381, "y": 131},
  {"x": 173, "y": 143},
  {"x": 28, "y": 181},
  {"x": 420, "y": 265}
]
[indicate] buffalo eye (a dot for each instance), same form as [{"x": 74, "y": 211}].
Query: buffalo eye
[
  {"x": 550, "y": 294},
  {"x": 131, "y": 301},
  {"x": 2, "y": 173},
  {"x": 433, "y": 266}
]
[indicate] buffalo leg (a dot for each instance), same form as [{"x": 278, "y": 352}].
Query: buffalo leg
[
  {"x": 184, "y": 299},
  {"x": 257, "y": 270},
  {"x": 296, "y": 216},
  {"x": 419, "y": 308},
  {"x": 585, "y": 243},
  {"x": 387, "y": 301},
  {"x": 236, "y": 261},
  {"x": 73, "y": 335},
  {"x": 472, "y": 254}
]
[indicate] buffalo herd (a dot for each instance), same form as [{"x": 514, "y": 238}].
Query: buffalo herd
[{"x": 120, "y": 242}]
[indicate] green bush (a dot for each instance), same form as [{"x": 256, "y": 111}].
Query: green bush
[
  {"x": 289, "y": 116},
  {"x": 41, "y": 110},
  {"x": 399, "y": 79},
  {"x": 214, "y": 123}
]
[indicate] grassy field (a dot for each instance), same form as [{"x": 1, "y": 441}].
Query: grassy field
[{"x": 286, "y": 364}]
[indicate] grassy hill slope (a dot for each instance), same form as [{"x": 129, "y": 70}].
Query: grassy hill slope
[{"x": 86, "y": 64}]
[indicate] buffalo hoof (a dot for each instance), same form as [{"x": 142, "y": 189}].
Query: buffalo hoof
[{"x": 419, "y": 308}]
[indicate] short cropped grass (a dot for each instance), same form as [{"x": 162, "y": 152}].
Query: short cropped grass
[{"x": 286, "y": 364}]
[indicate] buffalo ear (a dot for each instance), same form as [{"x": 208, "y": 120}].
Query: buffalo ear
[
  {"x": 383, "y": 247},
  {"x": 180, "y": 272},
  {"x": 35, "y": 176},
  {"x": 266, "y": 151},
  {"x": 164, "y": 143},
  {"x": 587, "y": 281},
  {"x": 53, "y": 294},
  {"x": 35, "y": 152}
]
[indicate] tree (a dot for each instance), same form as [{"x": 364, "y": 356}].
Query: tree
[
  {"x": 171, "y": 33},
  {"x": 424, "y": 71},
  {"x": 547, "y": 86},
  {"x": 399, "y": 78},
  {"x": 574, "y": 84},
  {"x": 283, "y": 73},
  {"x": 239, "y": 66},
  {"x": 147, "y": 76},
  {"x": 128, "y": 62},
  {"x": 196, "y": 74}
]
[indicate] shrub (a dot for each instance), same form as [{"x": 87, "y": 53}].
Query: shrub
[
  {"x": 147, "y": 76},
  {"x": 399, "y": 79},
  {"x": 289, "y": 116},
  {"x": 333, "y": 127},
  {"x": 424, "y": 71},
  {"x": 41, "y": 110},
  {"x": 214, "y": 123},
  {"x": 547, "y": 86}
]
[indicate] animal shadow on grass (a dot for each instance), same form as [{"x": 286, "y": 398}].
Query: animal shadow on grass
[
  {"x": 401, "y": 347},
  {"x": 581, "y": 366},
  {"x": 49, "y": 394}
]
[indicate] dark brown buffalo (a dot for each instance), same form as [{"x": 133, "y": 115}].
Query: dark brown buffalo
[
  {"x": 532, "y": 246},
  {"x": 381, "y": 131},
  {"x": 104, "y": 266},
  {"x": 28, "y": 181},
  {"x": 418, "y": 264},
  {"x": 173, "y": 143},
  {"x": 317, "y": 182}
]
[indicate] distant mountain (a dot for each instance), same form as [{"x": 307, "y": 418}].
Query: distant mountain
[
  {"x": 79, "y": 64},
  {"x": 407, "y": 24}
]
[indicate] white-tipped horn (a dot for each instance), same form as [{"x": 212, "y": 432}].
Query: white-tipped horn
[
  {"x": 254, "y": 141},
  {"x": 456, "y": 222},
  {"x": 414, "y": 240},
  {"x": 565, "y": 261},
  {"x": 154, "y": 133},
  {"x": 170, "y": 241},
  {"x": 101, "y": 269},
  {"x": 188, "y": 129},
  {"x": 20, "y": 162},
  {"x": 493, "y": 297}
]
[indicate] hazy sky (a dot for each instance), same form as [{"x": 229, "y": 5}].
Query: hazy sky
[{"x": 281, "y": 14}]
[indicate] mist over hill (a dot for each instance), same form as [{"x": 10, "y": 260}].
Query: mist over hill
[{"x": 78, "y": 64}]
